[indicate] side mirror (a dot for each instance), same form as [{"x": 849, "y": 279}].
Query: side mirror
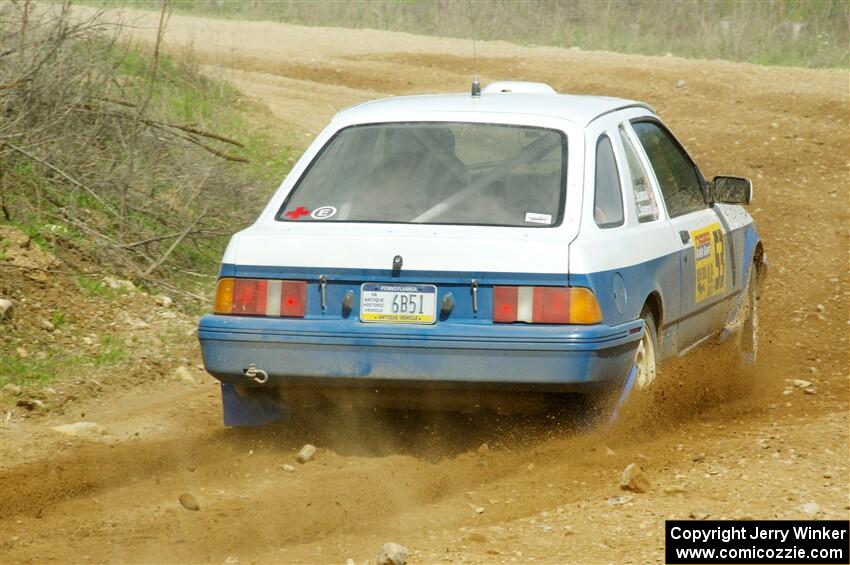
[{"x": 731, "y": 190}]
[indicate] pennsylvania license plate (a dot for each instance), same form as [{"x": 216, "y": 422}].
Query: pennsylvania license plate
[{"x": 398, "y": 303}]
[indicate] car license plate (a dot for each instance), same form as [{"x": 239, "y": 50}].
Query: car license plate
[{"x": 398, "y": 303}]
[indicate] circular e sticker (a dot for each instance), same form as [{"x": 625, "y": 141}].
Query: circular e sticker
[{"x": 323, "y": 212}]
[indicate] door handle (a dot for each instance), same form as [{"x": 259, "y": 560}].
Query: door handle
[{"x": 685, "y": 235}]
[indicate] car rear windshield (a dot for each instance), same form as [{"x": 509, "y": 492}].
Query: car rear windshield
[{"x": 435, "y": 173}]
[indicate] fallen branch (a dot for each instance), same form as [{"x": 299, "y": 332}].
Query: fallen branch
[
  {"x": 175, "y": 243},
  {"x": 14, "y": 84},
  {"x": 150, "y": 240},
  {"x": 187, "y": 128},
  {"x": 214, "y": 151},
  {"x": 211, "y": 135},
  {"x": 164, "y": 127},
  {"x": 114, "y": 101},
  {"x": 167, "y": 236},
  {"x": 136, "y": 271},
  {"x": 111, "y": 242},
  {"x": 176, "y": 290},
  {"x": 194, "y": 274}
]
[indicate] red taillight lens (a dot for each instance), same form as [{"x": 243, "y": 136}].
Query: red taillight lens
[
  {"x": 505, "y": 304},
  {"x": 545, "y": 305},
  {"x": 551, "y": 305},
  {"x": 293, "y": 299},
  {"x": 249, "y": 296},
  {"x": 261, "y": 297}
]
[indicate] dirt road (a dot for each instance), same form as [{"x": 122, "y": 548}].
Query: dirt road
[{"x": 713, "y": 443}]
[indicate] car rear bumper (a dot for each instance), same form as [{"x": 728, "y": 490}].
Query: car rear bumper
[{"x": 326, "y": 353}]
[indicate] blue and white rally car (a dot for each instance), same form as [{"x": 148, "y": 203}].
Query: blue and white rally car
[{"x": 513, "y": 240}]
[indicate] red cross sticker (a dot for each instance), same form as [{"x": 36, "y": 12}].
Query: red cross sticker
[{"x": 297, "y": 213}]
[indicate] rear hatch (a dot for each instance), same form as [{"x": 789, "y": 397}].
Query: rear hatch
[
  {"x": 416, "y": 223},
  {"x": 406, "y": 274}
]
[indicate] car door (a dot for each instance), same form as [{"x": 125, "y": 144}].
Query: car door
[{"x": 704, "y": 260}]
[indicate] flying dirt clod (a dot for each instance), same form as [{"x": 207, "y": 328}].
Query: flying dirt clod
[{"x": 634, "y": 479}]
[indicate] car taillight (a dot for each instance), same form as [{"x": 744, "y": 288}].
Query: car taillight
[
  {"x": 261, "y": 297},
  {"x": 545, "y": 305},
  {"x": 293, "y": 298}
]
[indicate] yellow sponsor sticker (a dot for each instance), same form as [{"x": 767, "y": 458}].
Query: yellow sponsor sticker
[{"x": 709, "y": 261}]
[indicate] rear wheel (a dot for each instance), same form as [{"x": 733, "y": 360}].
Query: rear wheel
[
  {"x": 749, "y": 314},
  {"x": 646, "y": 359},
  {"x": 607, "y": 404}
]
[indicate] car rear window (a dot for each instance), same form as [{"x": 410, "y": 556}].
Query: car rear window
[{"x": 435, "y": 173}]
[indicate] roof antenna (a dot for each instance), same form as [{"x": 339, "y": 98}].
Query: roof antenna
[{"x": 476, "y": 86}]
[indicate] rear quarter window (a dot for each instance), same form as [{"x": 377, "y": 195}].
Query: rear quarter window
[
  {"x": 608, "y": 194},
  {"x": 646, "y": 206}
]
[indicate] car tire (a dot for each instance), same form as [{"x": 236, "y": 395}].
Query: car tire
[
  {"x": 748, "y": 339},
  {"x": 646, "y": 358},
  {"x": 604, "y": 406}
]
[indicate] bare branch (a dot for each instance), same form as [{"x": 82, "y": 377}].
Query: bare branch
[
  {"x": 14, "y": 83},
  {"x": 208, "y": 134},
  {"x": 176, "y": 242},
  {"x": 159, "y": 33},
  {"x": 64, "y": 175}
]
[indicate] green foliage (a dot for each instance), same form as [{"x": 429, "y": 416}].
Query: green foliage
[
  {"x": 22, "y": 169},
  {"x": 95, "y": 288},
  {"x": 90, "y": 286},
  {"x": 32, "y": 370},
  {"x": 34, "y": 232},
  {"x": 131, "y": 63},
  {"x": 58, "y": 319},
  {"x": 54, "y": 363},
  {"x": 111, "y": 351}
]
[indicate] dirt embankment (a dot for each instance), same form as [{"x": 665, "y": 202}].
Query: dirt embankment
[{"x": 717, "y": 444}]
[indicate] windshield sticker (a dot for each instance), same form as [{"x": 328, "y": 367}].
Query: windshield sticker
[
  {"x": 297, "y": 213},
  {"x": 534, "y": 218},
  {"x": 323, "y": 212}
]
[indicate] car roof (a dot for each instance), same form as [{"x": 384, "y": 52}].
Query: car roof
[{"x": 576, "y": 108}]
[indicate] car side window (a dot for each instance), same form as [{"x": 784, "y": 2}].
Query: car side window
[
  {"x": 645, "y": 204},
  {"x": 608, "y": 196},
  {"x": 676, "y": 173}
]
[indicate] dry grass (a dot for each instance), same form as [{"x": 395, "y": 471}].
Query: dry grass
[{"x": 811, "y": 33}]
